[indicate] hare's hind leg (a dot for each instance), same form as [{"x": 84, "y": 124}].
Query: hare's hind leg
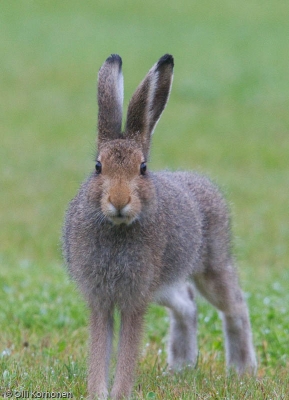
[
  {"x": 182, "y": 346},
  {"x": 221, "y": 288}
]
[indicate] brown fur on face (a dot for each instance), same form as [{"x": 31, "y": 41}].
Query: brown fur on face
[{"x": 120, "y": 180}]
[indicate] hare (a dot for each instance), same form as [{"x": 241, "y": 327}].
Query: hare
[{"x": 133, "y": 236}]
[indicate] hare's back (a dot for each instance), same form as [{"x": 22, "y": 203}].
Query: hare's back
[
  {"x": 193, "y": 197},
  {"x": 202, "y": 192}
]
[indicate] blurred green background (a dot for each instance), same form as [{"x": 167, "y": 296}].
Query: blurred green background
[{"x": 227, "y": 117}]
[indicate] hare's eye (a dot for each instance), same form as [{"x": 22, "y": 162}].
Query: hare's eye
[
  {"x": 143, "y": 168},
  {"x": 98, "y": 167}
]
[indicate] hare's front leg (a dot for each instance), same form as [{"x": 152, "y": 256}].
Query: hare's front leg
[
  {"x": 129, "y": 339},
  {"x": 101, "y": 332}
]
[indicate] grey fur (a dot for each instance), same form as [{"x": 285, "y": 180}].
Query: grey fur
[
  {"x": 110, "y": 99},
  {"x": 132, "y": 238},
  {"x": 148, "y": 102}
]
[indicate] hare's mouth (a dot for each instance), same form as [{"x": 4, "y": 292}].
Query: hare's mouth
[{"x": 121, "y": 219}]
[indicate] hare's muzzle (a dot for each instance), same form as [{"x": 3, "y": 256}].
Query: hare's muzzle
[{"x": 119, "y": 209}]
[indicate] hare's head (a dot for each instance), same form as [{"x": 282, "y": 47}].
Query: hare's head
[{"x": 122, "y": 183}]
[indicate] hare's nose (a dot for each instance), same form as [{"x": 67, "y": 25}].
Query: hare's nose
[{"x": 119, "y": 203}]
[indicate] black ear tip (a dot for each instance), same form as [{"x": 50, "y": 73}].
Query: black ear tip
[
  {"x": 167, "y": 59},
  {"x": 114, "y": 58}
]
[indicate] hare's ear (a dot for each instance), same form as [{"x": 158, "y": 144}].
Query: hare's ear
[
  {"x": 110, "y": 99},
  {"x": 149, "y": 101}
]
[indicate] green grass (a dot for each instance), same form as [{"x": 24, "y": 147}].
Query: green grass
[{"x": 227, "y": 117}]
